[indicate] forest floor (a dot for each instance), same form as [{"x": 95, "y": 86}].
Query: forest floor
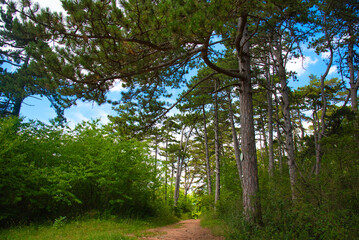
[{"x": 184, "y": 230}]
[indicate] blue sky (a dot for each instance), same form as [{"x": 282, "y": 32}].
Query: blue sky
[{"x": 40, "y": 108}]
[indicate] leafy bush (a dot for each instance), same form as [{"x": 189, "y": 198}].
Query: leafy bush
[{"x": 48, "y": 171}]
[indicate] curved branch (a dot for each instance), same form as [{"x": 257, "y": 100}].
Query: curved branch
[{"x": 204, "y": 54}]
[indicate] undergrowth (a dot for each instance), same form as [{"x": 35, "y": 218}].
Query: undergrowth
[{"x": 86, "y": 228}]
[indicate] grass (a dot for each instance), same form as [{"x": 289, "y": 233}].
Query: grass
[
  {"x": 86, "y": 229},
  {"x": 217, "y": 226}
]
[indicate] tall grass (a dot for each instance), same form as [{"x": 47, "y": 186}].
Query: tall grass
[{"x": 111, "y": 228}]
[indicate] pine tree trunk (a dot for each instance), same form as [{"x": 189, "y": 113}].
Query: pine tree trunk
[
  {"x": 178, "y": 179},
  {"x": 301, "y": 129},
  {"x": 354, "y": 83},
  {"x": 179, "y": 171},
  {"x": 180, "y": 161},
  {"x": 279, "y": 135},
  {"x": 217, "y": 150},
  {"x": 208, "y": 166},
  {"x": 263, "y": 129},
  {"x": 237, "y": 151},
  {"x": 17, "y": 106},
  {"x": 317, "y": 139},
  {"x": 172, "y": 177},
  {"x": 166, "y": 169},
  {"x": 288, "y": 129},
  {"x": 156, "y": 154},
  {"x": 250, "y": 187},
  {"x": 270, "y": 125}
]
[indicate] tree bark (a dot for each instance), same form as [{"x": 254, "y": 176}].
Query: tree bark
[
  {"x": 279, "y": 135},
  {"x": 321, "y": 125},
  {"x": 288, "y": 129},
  {"x": 288, "y": 132},
  {"x": 237, "y": 151},
  {"x": 263, "y": 130},
  {"x": 217, "y": 150},
  {"x": 180, "y": 160},
  {"x": 208, "y": 166},
  {"x": 166, "y": 169},
  {"x": 354, "y": 83},
  {"x": 270, "y": 124},
  {"x": 251, "y": 200}
]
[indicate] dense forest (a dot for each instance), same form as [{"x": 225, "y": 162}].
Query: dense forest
[{"x": 237, "y": 146}]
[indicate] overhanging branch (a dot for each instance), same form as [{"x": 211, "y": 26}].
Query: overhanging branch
[{"x": 180, "y": 99}]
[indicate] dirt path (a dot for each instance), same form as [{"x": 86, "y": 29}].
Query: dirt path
[{"x": 184, "y": 230}]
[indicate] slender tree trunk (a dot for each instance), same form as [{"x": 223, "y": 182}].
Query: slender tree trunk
[
  {"x": 288, "y": 133},
  {"x": 279, "y": 135},
  {"x": 321, "y": 127},
  {"x": 177, "y": 182},
  {"x": 172, "y": 177},
  {"x": 217, "y": 150},
  {"x": 263, "y": 130},
  {"x": 166, "y": 169},
  {"x": 251, "y": 200},
  {"x": 302, "y": 130},
  {"x": 270, "y": 124},
  {"x": 185, "y": 180},
  {"x": 277, "y": 50},
  {"x": 188, "y": 180},
  {"x": 156, "y": 153},
  {"x": 317, "y": 138},
  {"x": 180, "y": 161},
  {"x": 354, "y": 83},
  {"x": 179, "y": 170},
  {"x": 237, "y": 151},
  {"x": 208, "y": 166}
]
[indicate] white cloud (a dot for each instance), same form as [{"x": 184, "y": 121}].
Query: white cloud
[
  {"x": 325, "y": 55},
  {"x": 86, "y": 111},
  {"x": 53, "y": 5},
  {"x": 79, "y": 117},
  {"x": 300, "y": 65},
  {"x": 333, "y": 69},
  {"x": 116, "y": 87}
]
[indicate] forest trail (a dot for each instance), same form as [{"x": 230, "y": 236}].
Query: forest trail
[{"x": 184, "y": 230}]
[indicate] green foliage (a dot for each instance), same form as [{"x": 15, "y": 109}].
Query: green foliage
[
  {"x": 47, "y": 171},
  {"x": 327, "y": 205},
  {"x": 110, "y": 228},
  {"x": 59, "y": 222},
  {"x": 20, "y": 75}
]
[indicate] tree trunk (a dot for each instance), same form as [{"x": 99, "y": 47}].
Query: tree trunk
[
  {"x": 288, "y": 132},
  {"x": 17, "y": 106},
  {"x": 179, "y": 170},
  {"x": 250, "y": 187},
  {"x": 263, "y": 129},
  {"x": 279, "y": 135},
  {"x": 166, "y": 169},
  {"x": 237, "y": 151},
  {"x": 172, "y": 177},
  {"x": 180, "y": 161},
  {"x": 354, "y": 83},
  {"x": 217, "y": 150},
  {"x": 301, "y": 129},
  {"x": 277, "y": 50},
  {"x": 270, "y": 124},
  {"x": 317, "y": 138},
  {"x": 208, "y": 166},
  {"x": 156, "y": 154}
]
